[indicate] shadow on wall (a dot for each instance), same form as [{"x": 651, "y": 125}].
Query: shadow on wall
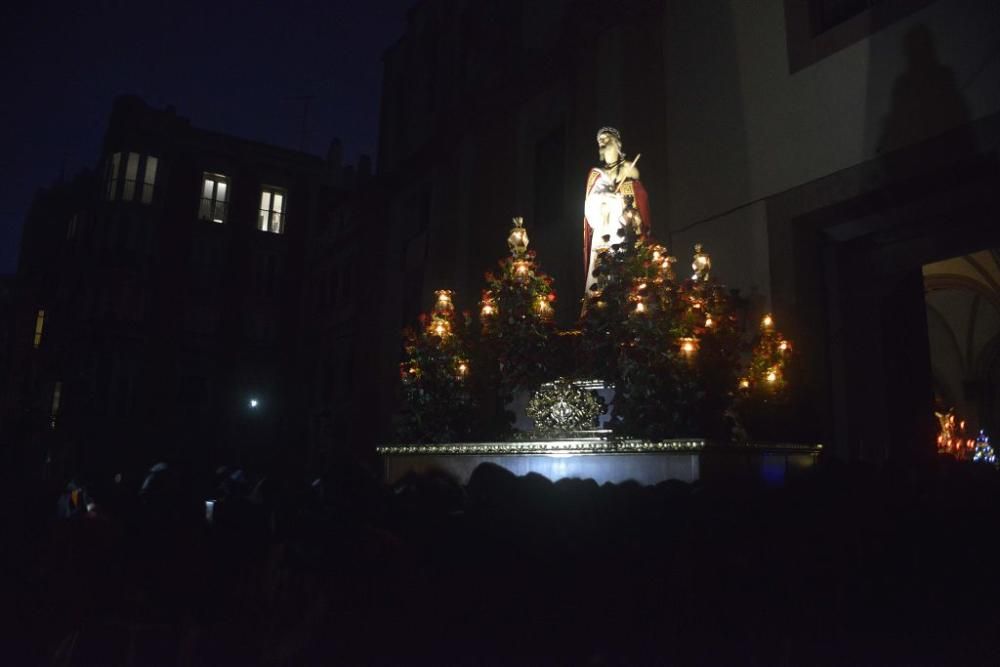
[
  {"x": 925, "y": 104},
  {"x": 926, "y": 101},
  {"x": 707, "y": 151}
]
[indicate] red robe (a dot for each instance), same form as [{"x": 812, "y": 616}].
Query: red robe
[{"x": 640, "y": 200}]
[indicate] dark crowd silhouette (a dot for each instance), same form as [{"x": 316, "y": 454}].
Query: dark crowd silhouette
[{"x": 844, "y": 565}]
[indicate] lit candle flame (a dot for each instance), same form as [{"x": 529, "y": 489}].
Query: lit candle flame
[{"x": 688, "y": 346}]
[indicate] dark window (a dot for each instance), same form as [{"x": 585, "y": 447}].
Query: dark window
[
  {"x": 130, "y": 171},
  {"x": 816, "y": 29},
  {"x": 827, "y": 13}
]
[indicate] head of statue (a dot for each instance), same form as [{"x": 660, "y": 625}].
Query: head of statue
[{"x": 609, "y": 145}]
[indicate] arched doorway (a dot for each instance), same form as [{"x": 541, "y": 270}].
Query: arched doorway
[{"x": 962, "y": 295}]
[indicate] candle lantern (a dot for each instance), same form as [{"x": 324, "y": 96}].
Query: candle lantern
[
  {"x": 688, "y": 346},
  {"x": 440, "y": 328},
  {"x": 443, "y": 304},
  {"x": 522, "y": 271},
  {"x": 543, "y": 308},
  {"x": 488, "y": 305},
  {"x": 667, "y": 267}
]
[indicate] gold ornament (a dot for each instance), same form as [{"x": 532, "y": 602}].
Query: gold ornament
[
  {"x": 952, "y": 438},
  {"x": 518, "y": 239},
  {"x": 562, "y": 406},
  {"x": 701, "y": 265}
]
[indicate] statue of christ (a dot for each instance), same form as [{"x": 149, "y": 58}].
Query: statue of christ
[{"x": 612, "y": 188}]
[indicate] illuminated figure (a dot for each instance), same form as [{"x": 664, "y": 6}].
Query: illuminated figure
[{"x": 613, "y": 188}]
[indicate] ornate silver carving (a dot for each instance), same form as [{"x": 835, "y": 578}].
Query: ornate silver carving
[
  {"x": 586, "y": 445},
  {"x": 561, "y": 407},
  {"x": 595, "y": 445}
]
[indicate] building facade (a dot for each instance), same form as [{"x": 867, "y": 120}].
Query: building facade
[{"x": 162, "y": 308}]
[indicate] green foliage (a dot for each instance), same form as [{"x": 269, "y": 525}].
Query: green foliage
[
  {"x": 765, "y": 404},
  {"x": 437, "y": 402},
  {"x": 517, "y": 334},
  {"x": 671, "y": 348}
]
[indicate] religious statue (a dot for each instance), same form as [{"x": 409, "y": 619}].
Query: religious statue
[{"x": 614, "y": 197}]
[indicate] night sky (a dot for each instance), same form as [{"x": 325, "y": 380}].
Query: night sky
[{"x": 235, "y": 67}]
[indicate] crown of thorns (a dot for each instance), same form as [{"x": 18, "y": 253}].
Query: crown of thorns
[{"x": 610, "y": 130}]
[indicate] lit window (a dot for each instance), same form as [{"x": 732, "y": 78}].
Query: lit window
[
  {"x": 149, "y": 179},
  {"x": 113, "y": 166},
  {"x": 272, "y": 211},
  {"x": 131, "y": 172},
  {"x": 213, "y": 198},
  {"x": 39, "y": 326}
]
